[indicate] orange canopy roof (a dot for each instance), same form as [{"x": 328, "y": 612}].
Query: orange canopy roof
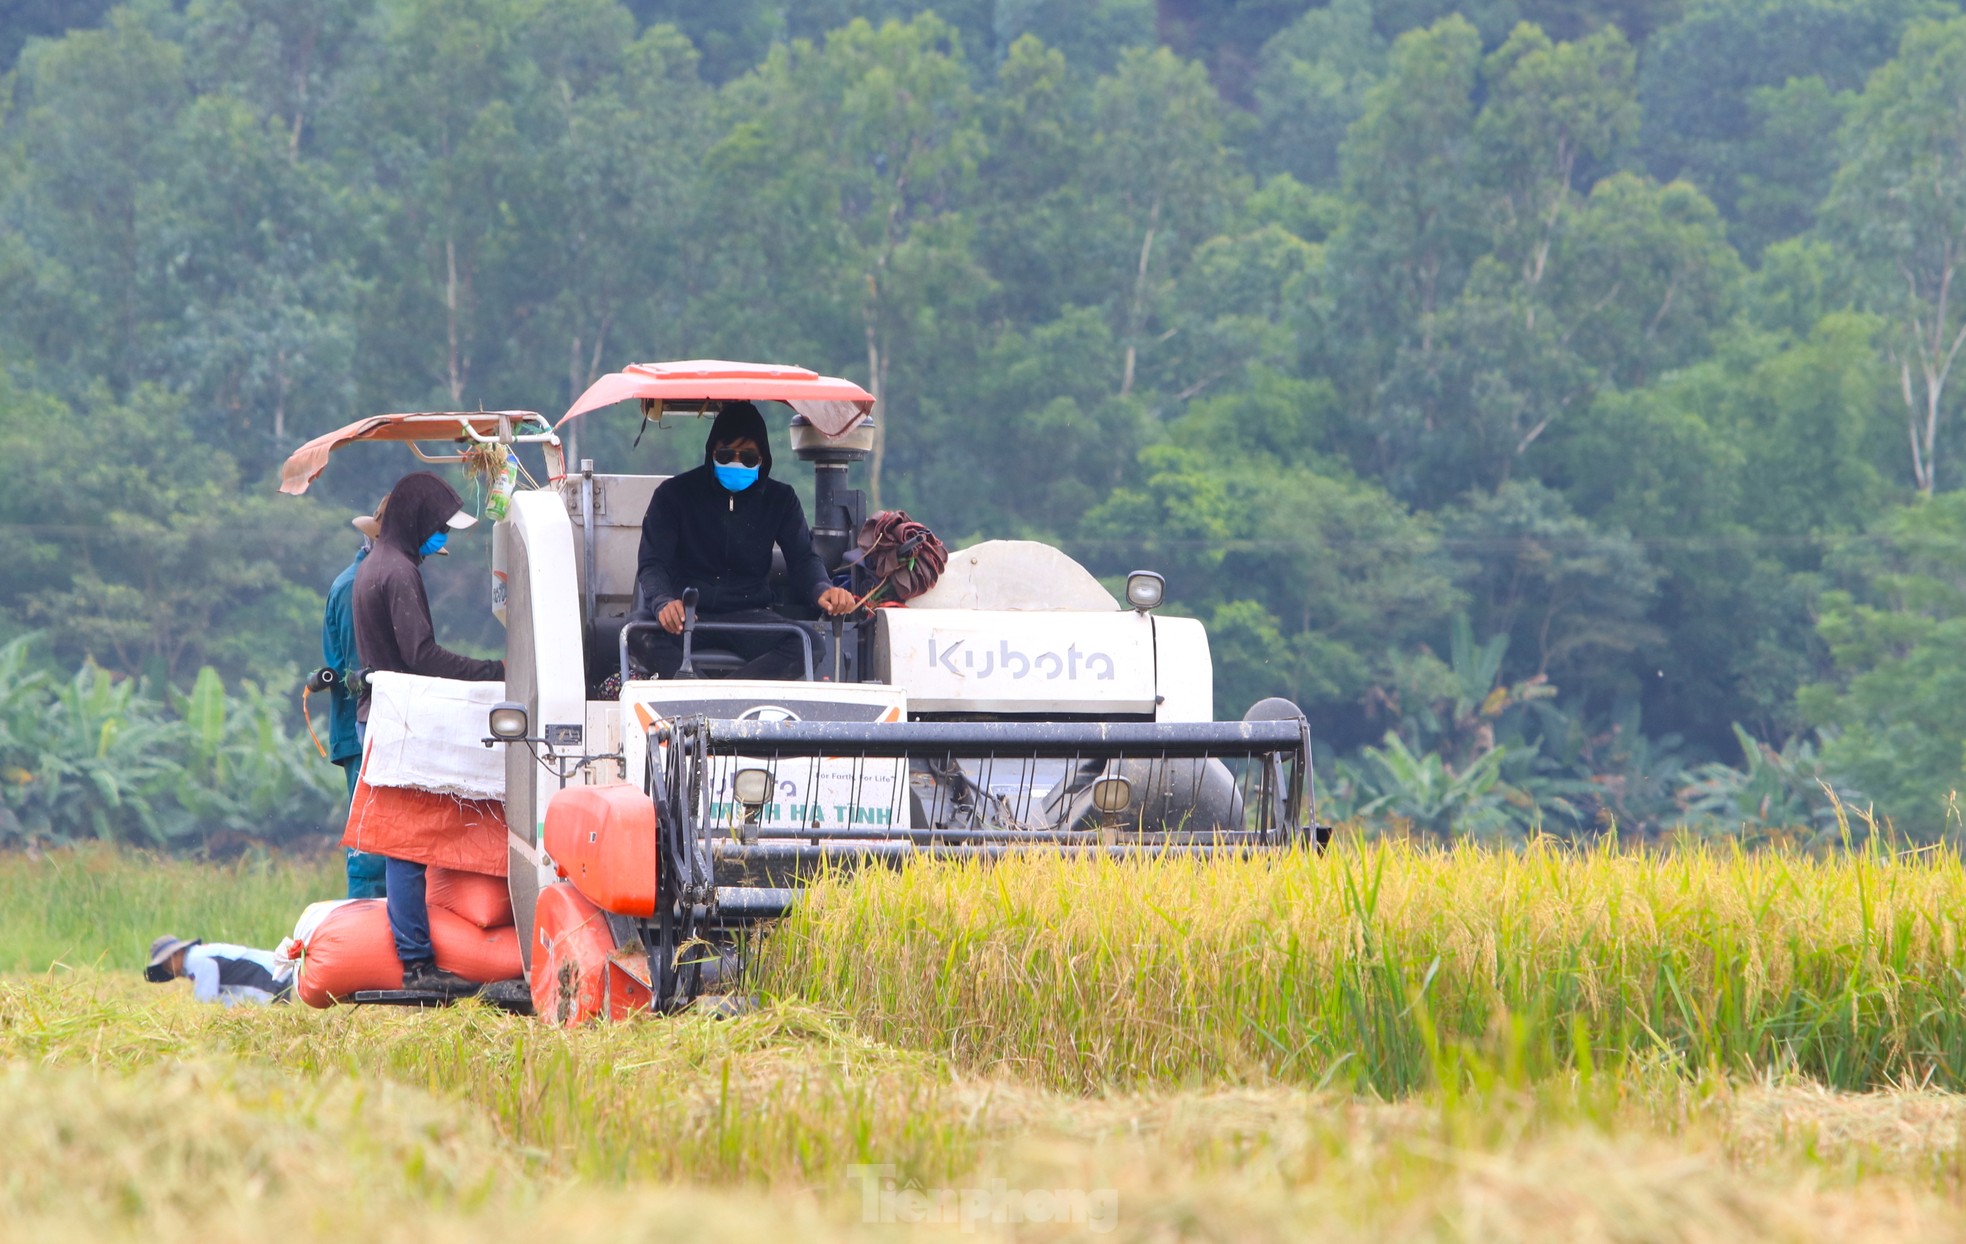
[
  {"x": 307, "y": 462},
  {"x": 832, "y": 405}
]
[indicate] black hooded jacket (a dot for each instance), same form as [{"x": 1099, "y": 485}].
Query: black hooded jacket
[
  {"x": 698, "y": 534},
  {"x": 393, "y": 632}
]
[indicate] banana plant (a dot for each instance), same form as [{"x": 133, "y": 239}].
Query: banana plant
[
  {"x": 91, "y": 762},
  {"x": 203, "y": 713},
  {"x": 95, "y": 757},
  {"x": 1773, "y": 789},
  {"x": 23, "y": 697},
  {"x": 1462, "y": 718},
  {"x": 1423, "y": 789},
  {"x": 245, "y": 772},
  {"x": 1617, "y": 775}
]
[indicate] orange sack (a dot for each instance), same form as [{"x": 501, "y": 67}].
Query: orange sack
[
  {"x": 463, "y": 834},
  {"x": 482, "y": 900},
  {"x": 350, "y": 950},
  {"x": 480, "y": 955}
]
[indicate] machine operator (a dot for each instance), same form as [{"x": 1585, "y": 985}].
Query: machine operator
[{"x": 712, "y": 528}]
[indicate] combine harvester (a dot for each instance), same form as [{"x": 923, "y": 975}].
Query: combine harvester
[{"x": 1014, "y": 706}]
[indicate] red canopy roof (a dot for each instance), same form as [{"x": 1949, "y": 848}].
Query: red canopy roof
[
  {"x": 307, "y": 462},
  {"x": 832, "y": 405}
]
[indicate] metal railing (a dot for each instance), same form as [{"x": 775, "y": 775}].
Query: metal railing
[{"x": 692, "y": 626}]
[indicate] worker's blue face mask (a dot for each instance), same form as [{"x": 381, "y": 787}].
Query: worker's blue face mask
[
  {"x": 734, "y": 477},
  {"x": 433, "y": 544}
]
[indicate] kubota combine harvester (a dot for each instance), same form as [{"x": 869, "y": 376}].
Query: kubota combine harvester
[{"x": 1014, "y": 706}]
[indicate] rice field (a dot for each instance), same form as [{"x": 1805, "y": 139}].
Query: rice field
[
  {"x": 1389, "y": 1042},
  {"x": 1381, "y": 968}
]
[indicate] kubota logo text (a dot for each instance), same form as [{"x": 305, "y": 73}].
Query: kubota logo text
[{"x": 1004, "y": 661}]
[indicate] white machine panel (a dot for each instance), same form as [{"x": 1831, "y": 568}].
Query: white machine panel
[
  {"x": 817, "y": 793},
  {"x": 1187, "y": 676},
  {"x": 972, "y": 660},
  {"x": 542, "y": 646}
]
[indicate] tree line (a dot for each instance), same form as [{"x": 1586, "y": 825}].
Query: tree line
[{"x": 1558, "y": 401}]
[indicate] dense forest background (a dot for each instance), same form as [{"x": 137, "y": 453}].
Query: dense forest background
[{"x": 1555, "y": 399}]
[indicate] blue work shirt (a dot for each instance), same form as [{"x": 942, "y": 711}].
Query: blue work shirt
[{"x": 338, "y": 654}]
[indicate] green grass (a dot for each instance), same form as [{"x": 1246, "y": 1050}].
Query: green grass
[
  {"x": 134, "y": 1113},
  {"x": 103, "y": 907},
  {"x": 783, "y": 1090},
  {"x": 1384, "y": 1043}
]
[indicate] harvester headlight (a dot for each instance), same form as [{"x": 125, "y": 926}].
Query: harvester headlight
[
  {"x": 752, "y": 786},
  {"x": 1145, "y": 589},
  {"x": 1112, "y": 794},
  {"x": 508, "y": 721}
]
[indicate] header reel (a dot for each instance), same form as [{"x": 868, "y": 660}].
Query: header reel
[{"x": 747, "y": 811}]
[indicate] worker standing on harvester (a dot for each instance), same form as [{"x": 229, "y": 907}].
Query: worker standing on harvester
[
  {"x": 712, "y": 528},
  {"x": 395, "y": 635},
  {"x": 339, "y": 654}
]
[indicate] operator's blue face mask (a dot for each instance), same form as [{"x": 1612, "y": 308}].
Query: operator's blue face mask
[
  {"x": 734, "y": 477},
  {"x": 431, "y": 546}
]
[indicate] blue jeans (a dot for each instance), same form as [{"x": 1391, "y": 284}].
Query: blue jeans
[{"x": 409, "y": 915}]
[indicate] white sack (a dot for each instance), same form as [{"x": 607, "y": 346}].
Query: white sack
[
  {"x": 428, "y": 734},
  {"x": 291, "y": 949}
]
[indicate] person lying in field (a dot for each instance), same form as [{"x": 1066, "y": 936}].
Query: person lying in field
[{"x": 221, "y": 973}]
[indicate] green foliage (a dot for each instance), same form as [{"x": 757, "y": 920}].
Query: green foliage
[
  {"x": 843, "y": 166},
  {"x": 1516, "y": 296},
  {"x": 174, "y": 239},
  {"x": 1092, "y": 34},
  {"x": 1066, "y": 434},
  {"x": 41, "y": 19},
  {"x": 95, "y": 757},
  {"x": 1622, "y": 778},
  {"x": 137, "y": 547},
  {"x": 1352, "y": 319},
  {"x": 1455, "y": 708},
  {"x": 1706, "y": 122},
  {"x": 1423, "y": 790},
  {"x": 1407, "y": 156},
  {"x": 1311, "y": 86},
  {"x": 1738, "y": 473},
  {"x": 1779, "y": 791},
  {"x": 1898, "y": 638},
  {"x": 1320, "y": 575},
  {"x": 1787, "y": 167},
  {"x": 1570, "y": 597},
  {"x": 244, "y": 773},
  {"x": 1473, "y": 753},
  {"x": 82, "y": 758},
  {"x": 731, "y": 36},
  {"x": 1898, "y": 206}
]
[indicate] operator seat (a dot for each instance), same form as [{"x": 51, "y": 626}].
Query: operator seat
[
  {"x": 708, "y": 662},
  {"x": 618, "y": 596}
]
